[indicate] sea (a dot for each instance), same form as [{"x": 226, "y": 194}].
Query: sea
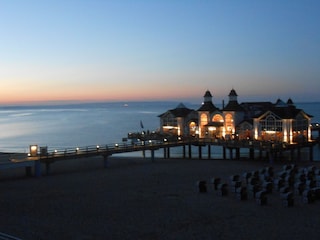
[{"x": 87, "y": 124}]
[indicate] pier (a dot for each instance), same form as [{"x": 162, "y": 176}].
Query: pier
[{"x": 272, "y": 151}]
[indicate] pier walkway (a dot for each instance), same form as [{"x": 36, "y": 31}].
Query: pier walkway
[{"x": 43, "y": 155}]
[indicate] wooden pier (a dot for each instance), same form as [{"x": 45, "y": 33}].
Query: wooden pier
[{"x": 272, "y": 151}]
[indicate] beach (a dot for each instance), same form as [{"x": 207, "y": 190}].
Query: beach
[{"x": 135, "y": 198}]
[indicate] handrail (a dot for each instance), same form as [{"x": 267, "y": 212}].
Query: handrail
[{"x": 110, "y": 149}]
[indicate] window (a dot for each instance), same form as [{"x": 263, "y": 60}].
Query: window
[
  {"x": 300, "y": 123},
  {"x": 271, "y": 124}
]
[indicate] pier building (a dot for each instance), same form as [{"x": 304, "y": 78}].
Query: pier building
[{"x": 266, "y": 121}]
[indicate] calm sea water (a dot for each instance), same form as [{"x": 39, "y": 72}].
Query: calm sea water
[{"x": 79, "y": 125}]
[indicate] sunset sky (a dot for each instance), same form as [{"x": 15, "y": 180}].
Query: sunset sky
[{"x": 77, "y": 50}]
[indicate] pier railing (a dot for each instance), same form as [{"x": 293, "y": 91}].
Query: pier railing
[{"x": 110, "y": 149}]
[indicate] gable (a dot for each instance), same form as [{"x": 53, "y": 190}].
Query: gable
[{"x": 269, "y": 114}]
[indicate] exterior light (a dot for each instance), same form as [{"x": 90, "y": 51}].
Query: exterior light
[
  {"x": 77, "y": 149},
  {"x": 98, "y": 147},
  {"x": 33, "y": 151},
  {"x": 165, "y": 140},
  {"x": 116, "y": 145}
]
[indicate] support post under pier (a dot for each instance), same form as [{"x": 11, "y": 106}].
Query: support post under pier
[
  {"x": 37, "y": 168},
  {"x": 209, "y": 151},
  {"x": 251, "y": 153},
  {"x": 231, "y": 153},
  {"x": 105, "y": 161},
  {"x": 200, "y": 152},
  {"x": 29, "y": 171},
  {"x": 311, "y": 153},
  {"x": 299, "y": 154},
  {"x": 190, "y": 151},
  {"x": 238, "y": 153},
  {"x": 152, "y": 155},
  {"x": 47, "y": 168}
]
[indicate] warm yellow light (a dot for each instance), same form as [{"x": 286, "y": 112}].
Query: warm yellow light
[
  {"x": 270, "y": 132},
  {"x": 170, "y": 127},
  {"x": 33, "y": 150}
]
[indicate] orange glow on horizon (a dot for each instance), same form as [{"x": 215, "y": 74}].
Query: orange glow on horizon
[{"x": 88, "y": 96}]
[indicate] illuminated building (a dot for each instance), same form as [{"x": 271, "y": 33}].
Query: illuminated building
[{"x": 265, "y": 121}]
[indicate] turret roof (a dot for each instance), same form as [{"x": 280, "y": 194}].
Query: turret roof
[{"x": 233, "y": 93}]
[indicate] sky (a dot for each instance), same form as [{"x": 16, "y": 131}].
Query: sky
[{"x": 81, "y": 50}]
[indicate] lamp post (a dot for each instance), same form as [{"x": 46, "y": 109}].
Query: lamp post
[{"x": 33, "y": 150}]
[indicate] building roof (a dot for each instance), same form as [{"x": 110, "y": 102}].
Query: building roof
[
  {"x": 180, "y": 111},
  {"x": 233, "y": 93},
  {"x": 290, "y": 102},
  {"x": 233, "y": 106},
  {"x": 208, "y": 107},
  {"x": 207, "y": 94},
  {"x": 285, "y": 111}
]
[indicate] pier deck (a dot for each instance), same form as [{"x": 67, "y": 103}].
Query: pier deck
[{"x": 49, "y": 156}]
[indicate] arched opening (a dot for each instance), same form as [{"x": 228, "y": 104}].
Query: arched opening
[
  {"x": 193, "y": 131},
  {"x": 215, "y": 128},
  {"x": 203, "y": 123},
  {"x": 229, "y": 127}
]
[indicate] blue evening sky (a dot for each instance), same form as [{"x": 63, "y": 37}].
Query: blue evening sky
[{"x": 77, "y": 50}]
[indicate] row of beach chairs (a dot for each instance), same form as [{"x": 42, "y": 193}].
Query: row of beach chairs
[{"x": 289, "y": 182}]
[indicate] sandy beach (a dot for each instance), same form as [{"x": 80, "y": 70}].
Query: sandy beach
[{"x": 138, "y": 199}]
